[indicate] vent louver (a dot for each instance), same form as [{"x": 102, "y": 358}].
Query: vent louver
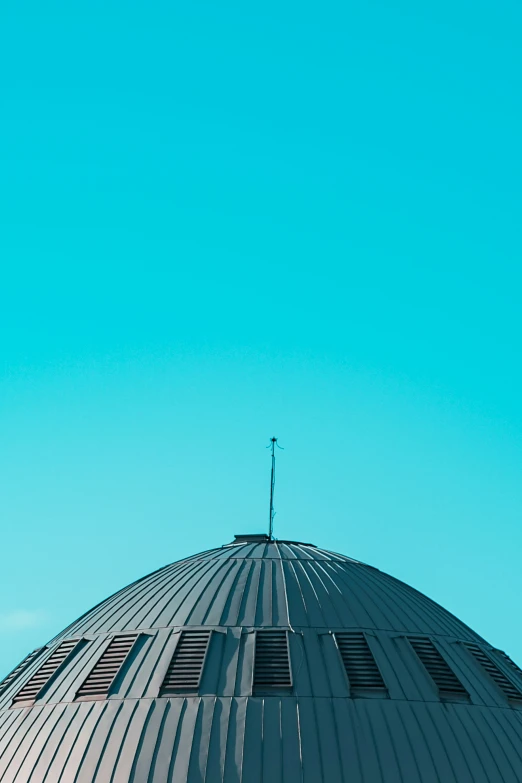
[
  {"x": 32, "y": 689},
  {"x": 101, "y": 678},
  {"x": 272, "y": 662},
  {"x": 360, "y": 666},
  {"x": 11, "y": 677},
  {"x": 437, "y": 667},
  {"x": 499, "y": 678},
  {"x": 509, "y": 660},
  {"x": 186, "y": 667}
]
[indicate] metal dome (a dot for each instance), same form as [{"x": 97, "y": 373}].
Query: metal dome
[{"x": 263, "y": 662}]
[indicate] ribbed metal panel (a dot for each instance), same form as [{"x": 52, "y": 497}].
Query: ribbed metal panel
[
  {"x": 499, "y": 678},
  {"x": 270, "y": 585},
  {"x": 322, "y": 718},
  {"x": 22, "y": 666},
  {"x": 271, "y": 662},
  {"x": 438, "y": 668},
  {"x": 46, "y": 672},
  {"x": 186, "y": 666},
  {"x": 104, "y": 673},
  {"x": 270, "y": 740},
  {"x": 360, "y": 666}
]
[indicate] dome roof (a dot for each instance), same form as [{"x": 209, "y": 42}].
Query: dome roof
[
  {"x": 264, "y": 661},
  {"x": 273, "y": 584}
]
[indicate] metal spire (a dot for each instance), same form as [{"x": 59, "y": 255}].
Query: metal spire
[{"x": 272, "y": 445}]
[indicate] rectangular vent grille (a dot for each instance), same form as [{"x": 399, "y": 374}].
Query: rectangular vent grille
[
  {"x": 272, "y": 662},
  {"x": 186, "y": 667},
  {"x": 4, "y": 685},
  {"x": 437, "y": 667},
  {"x": 359, "y": 663},
  {"x": 101, "y": 678},
  {"x": 509, "y": 660},
  {"x": 46, "y": 672},
  {"x": 498, "y": 676}
]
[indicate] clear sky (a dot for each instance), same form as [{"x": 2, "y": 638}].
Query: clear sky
[{"x": 224, "y": 221}]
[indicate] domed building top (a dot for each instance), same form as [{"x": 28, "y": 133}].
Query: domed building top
[
  {"x": 258, "y": 582},
  {"x": 264, "y": 662}
]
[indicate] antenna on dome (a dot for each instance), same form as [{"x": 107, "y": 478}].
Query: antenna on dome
[{"x": 273, "y": 443}]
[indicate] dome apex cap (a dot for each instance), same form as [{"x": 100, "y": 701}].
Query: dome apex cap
[{"x": 263, "y": 538}]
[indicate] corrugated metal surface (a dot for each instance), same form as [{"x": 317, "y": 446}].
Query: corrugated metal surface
[
  {"x": 258, "y": 740},
  {"x": 318, "y": 731},
  {"x": 270, "y": 585}
]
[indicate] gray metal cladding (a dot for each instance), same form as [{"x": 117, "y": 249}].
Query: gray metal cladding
[
  {"x": 264, "y": 662},
  {"x": 276, "y": 584},
  {"x": 263, "y": 740}
]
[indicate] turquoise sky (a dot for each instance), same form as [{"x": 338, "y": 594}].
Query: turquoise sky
[{"x": 224, "y": 221}]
